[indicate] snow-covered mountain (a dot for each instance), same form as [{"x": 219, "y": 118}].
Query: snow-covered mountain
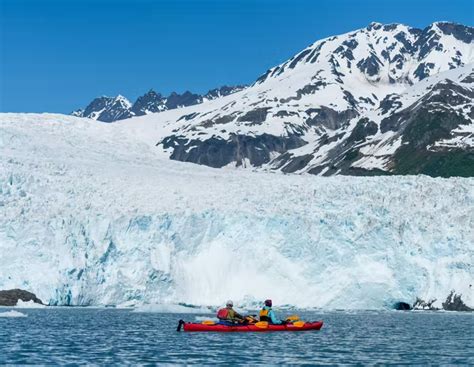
[
  {"x": 382, "y": 99},
  {"x": 93, "y": 214},
  {"x": 109, "y": 109},
  {"x": 106, "y": 109}
]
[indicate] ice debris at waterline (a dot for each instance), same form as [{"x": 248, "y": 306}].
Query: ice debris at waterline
[
  {"x": 29, "y": 304},
  {"x": 105, "y": 220},
  {"x": 12, "y": 313},
  {"x": 173, "y": 308}
]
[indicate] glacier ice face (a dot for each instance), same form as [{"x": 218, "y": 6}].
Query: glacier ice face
[{"x": 90, "y": 214}]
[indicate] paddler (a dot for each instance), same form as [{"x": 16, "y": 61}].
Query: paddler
[
  {"x": 228, "y": 314},
  {"x": 267, "y": 314}
]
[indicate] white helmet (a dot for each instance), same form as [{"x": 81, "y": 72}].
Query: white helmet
[{"x": 230, "y": 303}]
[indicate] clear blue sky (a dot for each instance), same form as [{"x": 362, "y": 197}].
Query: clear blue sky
[{"x": 56, "y": 56}]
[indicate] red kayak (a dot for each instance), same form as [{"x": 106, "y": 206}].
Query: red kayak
[{"x": 191, "y": 326}]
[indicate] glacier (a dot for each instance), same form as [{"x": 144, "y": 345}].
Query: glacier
[{"x": 93, "y": 214}]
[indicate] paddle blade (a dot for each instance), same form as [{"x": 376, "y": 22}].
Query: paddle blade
[
  {"x": 262, "y": 324},
  {"x": 299, "y": 323},
  {"x": 293, "y": 318},
  {"x": 208, "y": 322}
]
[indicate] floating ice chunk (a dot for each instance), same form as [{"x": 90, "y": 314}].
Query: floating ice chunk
[
  {"x": 29, "y": 304},
  {"x": 12, "y": 313},
  {"x": 173, "y": 308}
]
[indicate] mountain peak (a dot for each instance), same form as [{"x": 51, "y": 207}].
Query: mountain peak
[
  {"x": 459, "y": 31},
  {"x": 374, "y": 25},
  {"x": 108, "y": 109}
]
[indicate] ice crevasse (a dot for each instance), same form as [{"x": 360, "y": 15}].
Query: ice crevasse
[{"x": 91, "y": 215}]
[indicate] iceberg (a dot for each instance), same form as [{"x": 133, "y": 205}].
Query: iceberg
[
  {"x": 12, "y": 313},
  {"x": 93, "y": 215}
]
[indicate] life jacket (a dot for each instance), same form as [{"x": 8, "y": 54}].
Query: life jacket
[
  {"x": 264, "y": 314},
  {"x": 223, "y": 314}
]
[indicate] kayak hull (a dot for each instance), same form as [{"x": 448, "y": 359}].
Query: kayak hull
[{"x": 195, "y": 327}]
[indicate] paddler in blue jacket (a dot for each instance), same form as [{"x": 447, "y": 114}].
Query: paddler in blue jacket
[{"x": 267, "y": 314}]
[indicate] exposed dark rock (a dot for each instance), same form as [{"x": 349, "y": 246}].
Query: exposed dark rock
[
  {"x": 275, "y": 71},
  {"x": 458, "y": 31},
  {"x": 286, "y": 113},
  {"x": 370, "y": 65},
  {"x": 390, "y": 27},
  {"x": 11, "y": 297},
  {"x": 310, "y": 88},
  {"x": 358, "y": 171},
  {"x": 289, "y": 164},
  {"x": 149, "y": 102},
  {"x": 189, "y": 116},
  {"x": 350, "y": 99},
  {"x": 390, "y": 102},
  {"x": 328, "y": 117},
  {"x": 455, "y": 303},
  {"x": 263, "y": 77},
  {"x": 374, "y": 26},
  {"x": 420, "y": 129},
  {"x": 223, "y": 91},
  {"x": 445, "y": 93},
  {"x": 423, "y": 305},
  {"x": 307, "y": 89},
  {"x": 298, "y": 58},
  {"x": 449, "y": 93},
  {"x": 398, "y": 60},
  {"x": 108, "y": 109},
  {"x": 217, "y": 152},
  {"x": 316, "y": 170},
  {"x": 256, "y": 116},
  {"x": 407, "y": 45},
  {"x": 345, "y": 52},
  {"x": 362, "y": 130},
  {"x": 423, "y": 70},
  {"x": 468, "y": 79},
  {"x": 175, "y": 100},
  {"x": 415, "y": 31},
  {"x": 427, "y": 41},
  {"x": 78, "y": 113},
  {"x": 367, "y": 100},
  {"x": 351, "y": 43},
  {"x": 351, "y": 155},
  {"x": 310, "y": 55},
  {"x": 456, "y": 60},
  {"x": 219, "y": 120},
  {"x": 317, "y": 49}
]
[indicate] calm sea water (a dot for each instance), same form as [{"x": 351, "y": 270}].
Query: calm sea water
[{"x": 105, "y": 336}]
